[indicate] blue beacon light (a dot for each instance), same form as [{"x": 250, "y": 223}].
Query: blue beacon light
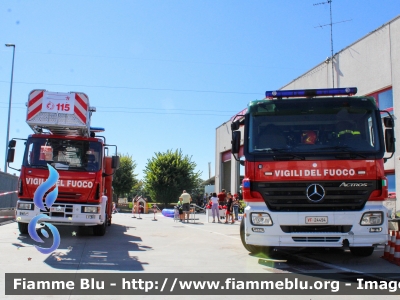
[{"x": 311, "y": 92}]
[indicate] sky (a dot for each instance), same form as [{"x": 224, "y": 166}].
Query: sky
[{"x": 163, "y": 75}]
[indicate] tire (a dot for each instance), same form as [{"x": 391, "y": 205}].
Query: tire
[
  {"x": 362, "y": 251},
  {"x": 100, "y": 230},
  {"x": 23, "y": 228},
  {"x": 81, "y": 230},
  {"x": 252, "y": 248}
]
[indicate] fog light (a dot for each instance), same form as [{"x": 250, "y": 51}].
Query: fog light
[
  {"x": 378, "y": 229},
  {"x": 257, "y": 229}
]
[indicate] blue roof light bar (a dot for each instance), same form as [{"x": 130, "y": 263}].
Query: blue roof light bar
[
  {"x": 97, "y": 129},
  {"x": 311, "y": 93}
]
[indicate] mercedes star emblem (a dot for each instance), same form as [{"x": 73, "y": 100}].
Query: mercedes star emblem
[{"x": 315, "y": 192}]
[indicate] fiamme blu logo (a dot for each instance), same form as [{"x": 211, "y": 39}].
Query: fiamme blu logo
[{"x": 49, "y": 201}]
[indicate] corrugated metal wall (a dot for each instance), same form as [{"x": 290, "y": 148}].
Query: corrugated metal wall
[{"x": 8, "y": 183}]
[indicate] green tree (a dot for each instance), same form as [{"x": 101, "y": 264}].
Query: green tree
[
  {"x": 124, "y": 177},
  {"x": 167, "y": 174},
  {"x": 139, "y": 189},
  {"x": 197, "y": 192}
]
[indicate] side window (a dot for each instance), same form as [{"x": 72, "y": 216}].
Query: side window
[
  {"x": 371, "y": 132},
  {"x": 385, "y": 99},
  {"x": 34, "y": 154},
  {"x": 30, "y": 155},
  {"x": 391, "y": 182}
]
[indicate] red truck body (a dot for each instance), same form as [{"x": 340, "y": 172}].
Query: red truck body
[
  {"x": 308, "y": 181},
  {"x": 64, "y": 140}
]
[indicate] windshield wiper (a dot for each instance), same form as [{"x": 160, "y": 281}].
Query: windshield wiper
[
  {"x": 38, "y": 166},
  {"x": 270, "y": 150},
  {"x": 285, "y": 156},
  {"x": 346, "y": 152},
  {"x": 76, "y": 167},
  {"x": 350, "y": 155},
  {"x": 343, "y": 148}
]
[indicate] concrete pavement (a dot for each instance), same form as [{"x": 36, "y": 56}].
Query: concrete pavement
[{"x": 141, "y": 246}]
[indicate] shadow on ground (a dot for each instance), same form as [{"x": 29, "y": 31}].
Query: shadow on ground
[{"x": 80, "y": 250}]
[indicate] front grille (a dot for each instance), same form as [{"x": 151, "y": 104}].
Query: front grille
[
  {"x": 319, "y": 228},
  {"x": 66, "y": 195},
  {"x": 59, "y": 211},
  {"x": 63, "y": 196},
  {"x": 291, "y": 196},
  {"x": 311, "y": 239}
]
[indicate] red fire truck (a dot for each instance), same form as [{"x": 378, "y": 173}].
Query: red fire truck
[
  {"x": 64, "y": 140},
  {"x": 314, "y": 170}
]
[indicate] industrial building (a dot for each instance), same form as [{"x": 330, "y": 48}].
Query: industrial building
[{"x": 372, "y": 64}]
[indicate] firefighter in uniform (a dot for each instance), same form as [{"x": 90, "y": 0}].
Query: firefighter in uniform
[{"x": 345, "y": 131}]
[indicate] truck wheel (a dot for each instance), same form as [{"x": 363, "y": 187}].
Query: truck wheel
[
  {"x": 100, "y": 230},
  {"x": 362, "y": 251},
  {"x": 23, "y": 228},
  {"x": 251, "y": 248}
]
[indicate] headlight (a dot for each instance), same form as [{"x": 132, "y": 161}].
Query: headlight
[
  {"x": 372, "y": 218},
  {"x": 91, "y": 209},
  {"x": 262, "y": 219},
  {"x": 26, "y": 206}
]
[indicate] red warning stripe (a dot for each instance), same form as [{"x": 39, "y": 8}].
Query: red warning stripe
[
  {"x": 35, "y": 99},
  {"x": 32, "y": 102},
  {"x": 81, "y": 102},
  {"x": 34, "y": 112},
  {"x": 81, "y": 115}
]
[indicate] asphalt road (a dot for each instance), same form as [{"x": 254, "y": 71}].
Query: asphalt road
[{"x": 164, "y": 246}]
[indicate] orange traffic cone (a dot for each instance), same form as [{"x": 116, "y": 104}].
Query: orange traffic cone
[
  {"x": 387, "y": 251},
  {"x": 396, "y": 255},
  {"x": 392, "y": 245},
  {"x": 387, "y": 247}
]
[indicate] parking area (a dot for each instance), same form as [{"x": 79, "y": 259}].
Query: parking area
[{"x": 166, "y": 246}]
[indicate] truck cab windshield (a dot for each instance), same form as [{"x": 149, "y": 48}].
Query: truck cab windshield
[
  {"x": 63, "y": 154},
  {"x": 314, "y": 127}
]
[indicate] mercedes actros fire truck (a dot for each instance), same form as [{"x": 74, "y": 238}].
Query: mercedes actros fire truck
[
  {"x": 314, "y": 170},
  {"x": 64, "y": 141}
]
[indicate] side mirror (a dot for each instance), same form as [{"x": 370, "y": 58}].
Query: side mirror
[
  {"x": 10, "y": 155},
  {"x": 12, "y": 144},
  {"x": 236, "y": 136},
  {"x": 390, "y": 140},
  {"x": 388, "y": 122},
  {"x": 115, "y": 162},
  {"x": 235, "y": 125}
]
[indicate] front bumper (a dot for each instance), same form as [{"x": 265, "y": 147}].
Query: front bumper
[
  {"x": 289, "y": 229},
  {"x": 64, "y": 214}
]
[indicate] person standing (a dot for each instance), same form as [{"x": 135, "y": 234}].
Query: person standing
[
  {"x": 179, "y": 206},
  {"x": 205, "y": 199},
  {"x": 236, "y": 206},
  {"x": 229, "y": 208},
  {"x": 186, "y": 199},
  {"x": 222, "y": 197},
  {"x": 214, "y": 208}
]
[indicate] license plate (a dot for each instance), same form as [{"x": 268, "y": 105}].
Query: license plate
[
  {"x": 316, "y": 220},
  {"x": 57, "y": 209}
]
